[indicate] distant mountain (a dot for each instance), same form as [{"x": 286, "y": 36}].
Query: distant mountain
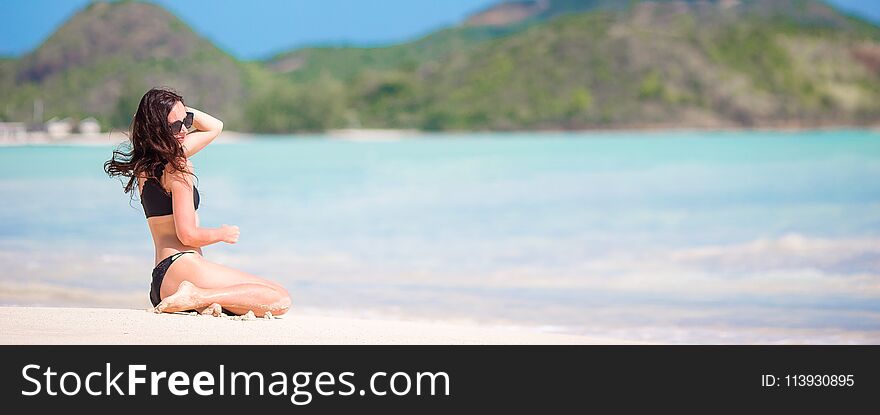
[
  {"x": 662, "y": 63},
  {"x": 598, "y": 64},
  {"x": 106, "y": 56},
  {"x": 543, "y": 64}
]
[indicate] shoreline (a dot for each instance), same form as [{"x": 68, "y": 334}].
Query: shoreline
[
  {"x": 67, "y": 325},
  {"x": 366, "y": 134}
]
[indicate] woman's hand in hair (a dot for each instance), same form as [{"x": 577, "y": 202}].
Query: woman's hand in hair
[
  {"x": 202, "y": 121},
  {"x": 207, "y": 128}
]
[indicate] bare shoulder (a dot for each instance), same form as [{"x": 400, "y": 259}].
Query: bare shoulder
[{"x": 177, "y": 175}]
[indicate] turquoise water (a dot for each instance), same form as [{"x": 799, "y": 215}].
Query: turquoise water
[{"x": 686, "y": 237}]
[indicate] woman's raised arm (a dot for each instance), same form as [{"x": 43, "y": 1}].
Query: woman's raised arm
[{"x": 207, "y": 129}]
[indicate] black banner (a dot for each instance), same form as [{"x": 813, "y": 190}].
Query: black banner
[{"x": 330, "y": 379}]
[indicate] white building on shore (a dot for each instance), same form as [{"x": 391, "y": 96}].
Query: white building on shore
[
  {"x": 59, "y": 128},
  {"x": 13, "y": 132},
  {"x": 89, "y": 126},
  {"x": 54, "y": 130}
]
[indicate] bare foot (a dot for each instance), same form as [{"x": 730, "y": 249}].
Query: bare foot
[
  {"x": 212, "y": 310},
  {"x": 186, "y": 298}
]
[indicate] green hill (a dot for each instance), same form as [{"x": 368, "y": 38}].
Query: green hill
[
  {"x": 543, "y": 64},
  {"x": 105, "y": 57},
  {"x": 661, "y": 63}
]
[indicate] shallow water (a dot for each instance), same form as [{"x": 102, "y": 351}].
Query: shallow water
[{"x": 688, "y": 237}]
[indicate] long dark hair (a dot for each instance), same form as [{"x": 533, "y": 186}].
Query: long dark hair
[{"x": 151, "y": 143}]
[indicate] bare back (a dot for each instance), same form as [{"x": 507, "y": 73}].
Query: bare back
[{"x": 163, "y": 230}]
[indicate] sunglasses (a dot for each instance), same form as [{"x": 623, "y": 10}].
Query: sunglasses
[{"x": 187, "y": 122}]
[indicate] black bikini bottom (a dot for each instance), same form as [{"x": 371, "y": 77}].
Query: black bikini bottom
[{"x": 159, "y": 276}]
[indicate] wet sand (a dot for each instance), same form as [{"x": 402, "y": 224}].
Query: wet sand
[{"x": 51, "y": 325}]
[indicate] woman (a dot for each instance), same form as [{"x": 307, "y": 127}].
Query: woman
[{"x": 159, "y": 160}]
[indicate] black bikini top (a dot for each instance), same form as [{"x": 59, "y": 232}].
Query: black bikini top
[{"x": 155, "y": 200}]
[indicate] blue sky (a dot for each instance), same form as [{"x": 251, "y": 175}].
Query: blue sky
[{"x": 256, "y": 29}]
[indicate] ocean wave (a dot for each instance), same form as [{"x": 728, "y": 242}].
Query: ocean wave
[{"x": 790, "y": 251}]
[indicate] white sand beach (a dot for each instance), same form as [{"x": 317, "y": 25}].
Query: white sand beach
[{"x": 53, "y": 325}]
